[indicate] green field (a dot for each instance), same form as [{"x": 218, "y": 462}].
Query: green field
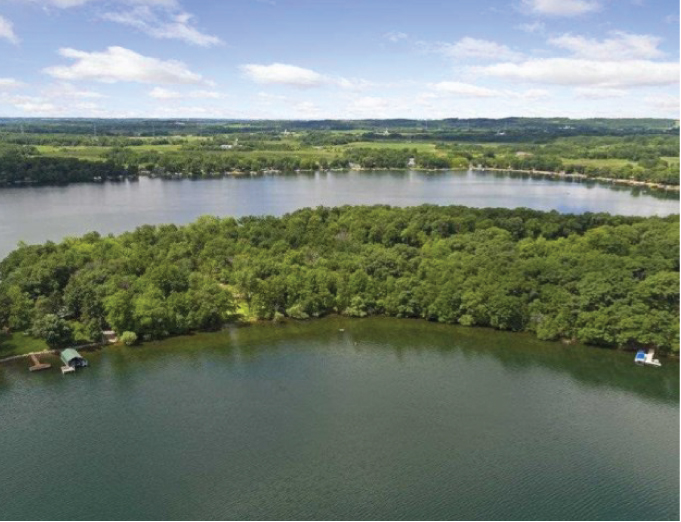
[
  {"x": 419, "y": 146},
  {"x": 267, "y": 150},
  {"x": 19, "y": 344},
  {"x": 612, "y": 163},
  {"x": 92, "y": 152}
]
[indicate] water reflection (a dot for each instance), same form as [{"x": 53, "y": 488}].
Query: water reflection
[
  {"x": 36, "y": 214},
  {"x": 385, "y": 419},
  {"x": 406, "y": 340}
]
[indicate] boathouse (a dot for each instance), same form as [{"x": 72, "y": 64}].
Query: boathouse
[{"x": 73, "y": 359}]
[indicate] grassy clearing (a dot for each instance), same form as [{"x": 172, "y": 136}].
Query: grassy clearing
[
  {"x": 174, "y": 147},
  {"x": 80, "y": 151},
  {"x": 19, "y": 344},
  {"x": 301, "y": 153},
  {"x": 399, "y": 145},
  {"x": 613, "y": 163},
  {"x": 91, "y": 152},
  {"x": 242, "y": 308}
]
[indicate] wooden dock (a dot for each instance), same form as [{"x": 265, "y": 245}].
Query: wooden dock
[
  {"x": 37, "y": 365},
  {"x": 67, "y": 369}
]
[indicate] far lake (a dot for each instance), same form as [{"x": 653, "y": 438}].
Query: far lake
[
  {"x": 36, "y": 214},
  {"x": 343, "y": 419}
]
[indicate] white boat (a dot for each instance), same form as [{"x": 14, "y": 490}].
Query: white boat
[{"x": 644, "y": 358}]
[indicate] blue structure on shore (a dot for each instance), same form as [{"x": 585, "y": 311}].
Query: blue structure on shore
[{"x": 647, "y": 358}]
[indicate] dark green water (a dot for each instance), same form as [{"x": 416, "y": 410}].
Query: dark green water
[{"x": 389, "y": 419}]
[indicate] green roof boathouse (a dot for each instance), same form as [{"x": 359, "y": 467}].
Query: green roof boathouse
[{"x": 72, "y": 360}]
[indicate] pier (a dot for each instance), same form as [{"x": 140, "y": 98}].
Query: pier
[{"x": 37, "y": 365}]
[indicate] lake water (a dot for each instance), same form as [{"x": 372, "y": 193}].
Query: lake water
[
  {"x": 37, "y": 214},
  {"x": 388, "y": 419}
]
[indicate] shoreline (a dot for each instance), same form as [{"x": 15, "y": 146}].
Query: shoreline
[
  {"x": 55, "y": 351},
  {"x": 584, "y": 177},
  {"x": 246, "y": 322},
  {"x": 553, "y": 174},
  {"x": 653, "y": 185}
]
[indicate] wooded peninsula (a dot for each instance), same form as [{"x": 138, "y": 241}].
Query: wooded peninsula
[{"x": 593, "y": 278}]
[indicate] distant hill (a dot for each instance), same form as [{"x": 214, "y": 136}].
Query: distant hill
[{"x": 441, "y": 129}]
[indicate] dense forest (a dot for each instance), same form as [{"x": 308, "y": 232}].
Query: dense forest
[
  {"x": 19, "y": 168},
  {"x": 594, "y": 278}
]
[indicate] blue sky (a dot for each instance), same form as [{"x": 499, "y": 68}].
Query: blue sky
[{"x": 312, "y": 59}]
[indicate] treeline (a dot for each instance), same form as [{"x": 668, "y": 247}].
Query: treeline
[
  {"x": 633, "y": 148},
  {"x": 386, "y": 158},
  {"x": 595, "y": 278},
  {"x": 18, "y": 169},
  {"x": 651, "y": 158},
  {"x": 657, "y": 171},
  {"x": 86, "y": 140},
  {"x": 450, "y": 126},
  {"x": 210, "y": 164},
  {"x": 207, "y": 165}
]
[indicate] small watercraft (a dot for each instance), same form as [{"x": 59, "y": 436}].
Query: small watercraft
[{"x": 644, "y": 358}]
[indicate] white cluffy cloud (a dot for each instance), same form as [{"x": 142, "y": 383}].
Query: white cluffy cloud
[
  {"x": 581, "y": 72},
  {"x": 468, "y": 47},
  {"x": 619, "y": 46},
  {"x": 395, "y": 36},
  {"x": 166, "y": 94},
  {"x": 9, "y": 83},
  {"x": 469, "y": 90},
  {"x": 300, "y": 77},
  {"x": 465, "y": 89},
  {"x": 163, "y": 23},
  {"x": 534, "y": 27},
  {"x": 284, "y": 74},
  {"x": 599, "y": 93},
  {"x": 562, "y": 7},
  {"x": 54, "y": 101},
  {"x": 7, "y": 30},
  {"x": 163, "y": 19},
  {"x": 65, "y": 90},
  {"x": 118, "y": 64}
]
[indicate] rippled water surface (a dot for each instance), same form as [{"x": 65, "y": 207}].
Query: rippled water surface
[
  {"x": 37, "y": 214},
  {"x": 388, "y": 418}
]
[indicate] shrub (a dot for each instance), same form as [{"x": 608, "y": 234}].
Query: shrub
[{"x": 129, "y": 338}]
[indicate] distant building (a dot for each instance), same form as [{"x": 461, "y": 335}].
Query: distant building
[{"x": 226, "y": 147}]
